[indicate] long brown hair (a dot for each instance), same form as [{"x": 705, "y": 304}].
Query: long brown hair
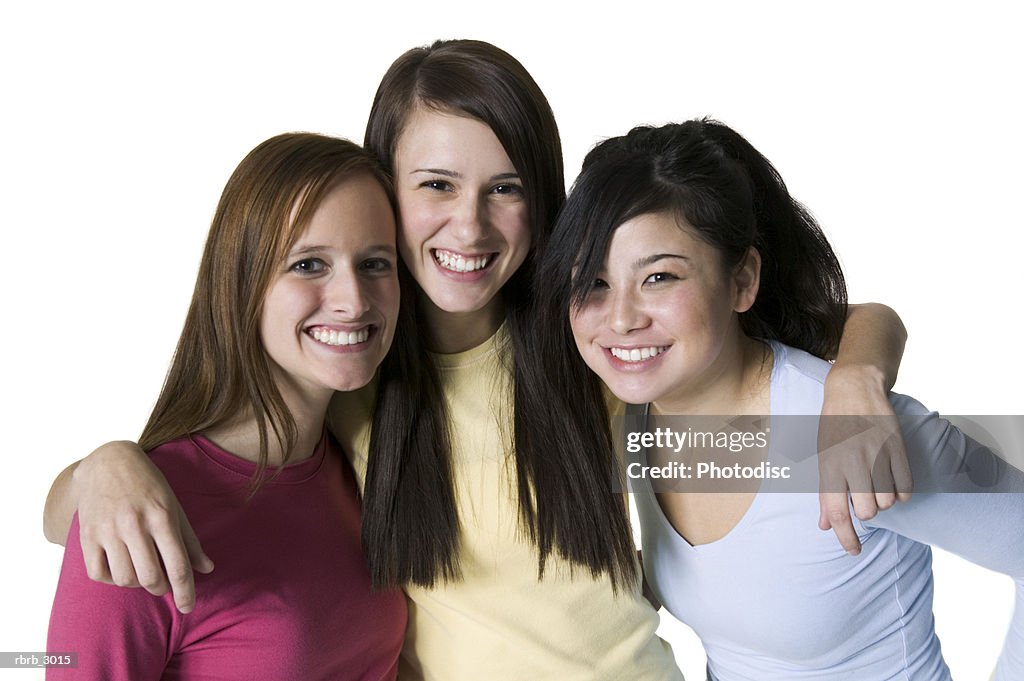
[
  {"x": 220, "y": 368},
  {"x": 566, "y": 502}
]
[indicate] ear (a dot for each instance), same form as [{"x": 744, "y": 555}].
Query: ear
[{"x": 746, "y": 280}]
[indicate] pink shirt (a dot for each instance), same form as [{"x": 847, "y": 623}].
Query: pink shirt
[{"x": 290, "y": 597}]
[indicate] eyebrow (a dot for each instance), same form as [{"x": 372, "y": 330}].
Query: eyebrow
[
  {"x": 651, "y": 259},
  {"x": 437, "y": 171},
  {"x": 387, "y": 249},
  {"x": 458, "y": 176},
  {"x": 306, "y": 250}
]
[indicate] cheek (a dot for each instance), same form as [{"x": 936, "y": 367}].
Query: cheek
[
  {"x": 386, "y": 295},
  {"x": 275, "y": 322},
  {"x": 697, "y": 313},
  {"x": 585, "y": 324},
  {"x": 274, "y": 305},
  {"x": 417, "y": 220},
  {"x": 288, "y": 302},
  {"x": 515, "y": 226}
]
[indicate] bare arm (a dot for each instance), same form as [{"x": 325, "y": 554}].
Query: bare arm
[
  {"x": 873, "y": 470},
  {"x": 133, "y": 530},
  {"x": 872, "y": 343},
  {"x": 60, "y": 507}
]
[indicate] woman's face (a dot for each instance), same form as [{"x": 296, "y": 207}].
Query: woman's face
[
  {"x": 329, "y": 316},
  {"x": 662, "y": 310},
  {"x": 463, "y": 219}
]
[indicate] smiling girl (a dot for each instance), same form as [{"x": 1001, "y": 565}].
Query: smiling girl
[
  {"x": 688, "y": 280},
  {"x": 297, "y": 297}
]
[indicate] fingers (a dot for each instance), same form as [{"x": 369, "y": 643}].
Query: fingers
[
  {"x": 96, "y": 562},
  {"x": 155, "y": 559},
  {"x": 148, "y": 570},
  {"x": 122, "y": 572},
  {"x": 882, "y": 483},
  {"x": 903, "y": 481},
  {"x": 835, "y": 515},
  {"x": 178, "y": 567},
  {"x": 133, "y": 531}
]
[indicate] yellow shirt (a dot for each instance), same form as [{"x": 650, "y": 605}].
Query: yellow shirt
[{"x": 499, "y": 622}]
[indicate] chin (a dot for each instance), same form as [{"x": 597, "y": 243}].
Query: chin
[
  {"x": 350, "y": 383},
  {"x": 631, "y": 394}
]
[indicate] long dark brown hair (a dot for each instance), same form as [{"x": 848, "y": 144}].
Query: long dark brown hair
[
  {"x": 220, "y": 368},
  {"x": 566, "y": 502}
]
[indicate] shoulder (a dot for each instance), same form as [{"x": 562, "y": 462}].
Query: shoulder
[
  {"x": 89, "y": 611},
  {"x": 180, "y": 455},
  {"x": 797, "y": 381}
]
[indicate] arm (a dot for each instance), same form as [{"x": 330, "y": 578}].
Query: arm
[
  {"x": 60, "y": 507},
  {"x": 964, "y": 508},
  {"x": 874, "y": 472},
  {"x": 872, "y": 343},
  {"x": 132, "y": 528}
]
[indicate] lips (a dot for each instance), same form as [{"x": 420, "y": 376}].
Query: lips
[
  {"x": 637, "y": 353},
  {"x": 462, "y": 262},
  {"x": 336, "y": 337}
]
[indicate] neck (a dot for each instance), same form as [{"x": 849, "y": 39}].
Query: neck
[
  {"x": 241, "y": 436},
  {"x": 737, "y": 382},
  {"x": 452, "y": 332}
]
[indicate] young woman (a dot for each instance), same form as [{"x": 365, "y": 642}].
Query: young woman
[
  {"x": 686, "y": 278},
  {"x": 297, "y": 297},
  {"x": 517, "y": 563}
]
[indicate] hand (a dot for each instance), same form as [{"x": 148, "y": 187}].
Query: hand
[
  {"x": 860, "y": 453},
  {"x": 132, "y": 527}
]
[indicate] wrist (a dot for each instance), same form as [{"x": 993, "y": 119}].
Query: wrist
[
  {"x": 105, "y": 457},
  {"x": 857, "y": 377}
]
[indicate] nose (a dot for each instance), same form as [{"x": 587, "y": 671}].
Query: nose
[
  {"x": 470, "y": 221},
  {"x": 626, "y": 312},
  {"x": 346, "y": 294}
]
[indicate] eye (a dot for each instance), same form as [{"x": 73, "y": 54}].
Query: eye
[
  {"x": 660, "y": 278},
  {"x": 376, "y": 265},
  {"x": 507, "y": 189},
  {"x": 438, "y": 185},
  {"x": 600, "y": 284},
  {"x": 308, "y": 266}
]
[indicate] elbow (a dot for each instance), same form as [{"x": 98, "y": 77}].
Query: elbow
[
  {"x": 52, "y": 532},
  {"x": 56, "y": 523},
  {"x": 899, "y": 329},
  {"x": 889, "y": 317}
]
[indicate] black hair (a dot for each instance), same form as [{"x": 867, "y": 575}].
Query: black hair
[{"x": 713, "y": 180}]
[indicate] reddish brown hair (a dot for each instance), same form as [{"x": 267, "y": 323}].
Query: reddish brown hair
[{"x": 220, "y": 368}]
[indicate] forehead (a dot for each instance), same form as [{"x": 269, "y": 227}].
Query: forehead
[
  {"x": 354, "y": 213},
  {"x": 661, "y": 230},
  {"x": 444, "y": 137}
]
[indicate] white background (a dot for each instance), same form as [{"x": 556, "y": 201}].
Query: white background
[{"x": 897, "y": 124}]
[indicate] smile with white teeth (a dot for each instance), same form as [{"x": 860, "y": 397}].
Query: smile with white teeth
[
  {"x": 459, "y": 263},
  {"x": 637, "y": 354},
  {"x": 332, "y": 337}
]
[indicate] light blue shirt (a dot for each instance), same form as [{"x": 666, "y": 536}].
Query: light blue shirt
[{"x": 777, "y": 598}]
